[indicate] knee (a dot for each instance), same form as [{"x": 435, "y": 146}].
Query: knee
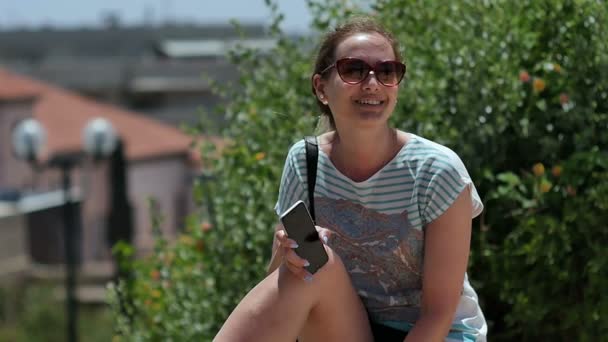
[{"x": 333, "y": 268}]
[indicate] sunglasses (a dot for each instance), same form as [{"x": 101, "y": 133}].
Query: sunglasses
[{"x": 355, "y": 71}]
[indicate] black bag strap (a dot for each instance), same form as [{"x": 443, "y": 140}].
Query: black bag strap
[{"x": 312, "y": 156}]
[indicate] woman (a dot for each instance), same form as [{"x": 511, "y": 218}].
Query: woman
[{"x": 393, "y": 208}]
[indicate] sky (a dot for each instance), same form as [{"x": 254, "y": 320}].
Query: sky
[{"x": 71, "y": 13}]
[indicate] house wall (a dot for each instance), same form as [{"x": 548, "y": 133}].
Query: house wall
[
  {"x": 14, "y": 173},
  {"x": 93, "y": 180},
  {"x": 167, "y": 181}
]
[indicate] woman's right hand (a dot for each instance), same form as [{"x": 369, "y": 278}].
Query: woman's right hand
[{"x": 294, "y": 263}]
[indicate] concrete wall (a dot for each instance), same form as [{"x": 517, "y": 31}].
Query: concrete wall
[{"x": 14, "y": 247}]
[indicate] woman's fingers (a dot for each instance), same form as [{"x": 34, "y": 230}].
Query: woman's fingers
[
  {"x": 324, "y": 234},
  {"x": 299, "y": 272},
  {"x": 294, "y": 263},
  {"x": 284, "y": 241},
  {"x": 280, "y": 235},
  {"x": 294, "y": 259}
]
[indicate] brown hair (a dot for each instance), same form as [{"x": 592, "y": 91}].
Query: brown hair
[{"x": 327, "y": 51}]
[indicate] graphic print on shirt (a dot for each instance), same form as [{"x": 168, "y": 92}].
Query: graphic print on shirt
[{"x": 381, "y": 252}]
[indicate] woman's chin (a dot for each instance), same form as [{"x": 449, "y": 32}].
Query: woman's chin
[{"x": 371, "y": 116}]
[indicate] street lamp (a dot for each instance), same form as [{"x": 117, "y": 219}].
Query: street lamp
[
  {"x": 29, "y": 137},
  {"x": 99, "y": 140}
]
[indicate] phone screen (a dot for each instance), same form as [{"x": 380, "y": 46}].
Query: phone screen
[{"x": 299, "y": 227}]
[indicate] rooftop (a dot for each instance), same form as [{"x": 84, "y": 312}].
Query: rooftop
[
  {"x": 64, "y": 114},
  {"x": 114, "y": 42}
]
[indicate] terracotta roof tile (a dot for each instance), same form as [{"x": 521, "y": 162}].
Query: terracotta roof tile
[
  {"x": 64, "y": 114},
  {"x": 12, "y": 87}
]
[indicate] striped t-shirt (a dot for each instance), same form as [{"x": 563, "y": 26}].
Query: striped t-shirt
[{"x": 378, "y": 225}]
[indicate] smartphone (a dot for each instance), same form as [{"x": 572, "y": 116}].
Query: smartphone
[{"x": 300, "y": 227}]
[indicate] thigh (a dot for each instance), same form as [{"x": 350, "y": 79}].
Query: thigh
[
  {"x": 340, "y": 314},
  {"x": 284, "y": 307},
  {"x": 274, "y": 310}
]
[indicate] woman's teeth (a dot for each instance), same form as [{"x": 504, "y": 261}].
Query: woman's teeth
[{"x": 369, "y": 102}]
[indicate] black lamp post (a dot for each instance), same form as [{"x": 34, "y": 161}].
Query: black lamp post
[
  {"x": 99, "y": 139},
  {"x": 71, "y": 232}
]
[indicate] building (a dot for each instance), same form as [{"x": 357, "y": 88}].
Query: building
[
  {"x": 160, "y": 165},
  {"x": 162, "y": 71}
]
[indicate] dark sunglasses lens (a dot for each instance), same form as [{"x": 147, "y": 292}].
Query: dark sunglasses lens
[
  {"x": 390, "y": 73},
  {"x": 352, "y": 70}
]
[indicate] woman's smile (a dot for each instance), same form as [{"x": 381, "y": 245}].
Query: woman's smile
[
  {"x": 369, "y": 102},
  {"x": 370, "y": 107}
]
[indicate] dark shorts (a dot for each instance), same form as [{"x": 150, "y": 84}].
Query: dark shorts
[{"x": 384, "y": 333}]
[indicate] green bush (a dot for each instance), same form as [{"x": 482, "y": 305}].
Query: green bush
[
  {"x": 35, "y": 314},
  {"x": 507, "y": 84},
  {"x": 163, "y": 297},
  {"x": 558, "y": 221}
]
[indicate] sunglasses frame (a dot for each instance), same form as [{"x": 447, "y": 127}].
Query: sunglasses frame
[{"x": 372, "y": 69}]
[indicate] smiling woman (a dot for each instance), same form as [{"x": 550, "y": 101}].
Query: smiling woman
[{"x": 394, "y": 210}]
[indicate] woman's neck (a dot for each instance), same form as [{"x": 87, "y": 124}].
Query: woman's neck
[{"x": 359, "y": 155}]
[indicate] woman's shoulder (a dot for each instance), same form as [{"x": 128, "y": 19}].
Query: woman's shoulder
[
  {"x": 297, "y": 151},
  {"x": 297, "y": 148},
  {"x": 426, "y": 150},
  {"x": 428, "y": 157},
  {"x": 442, "y": 171}
]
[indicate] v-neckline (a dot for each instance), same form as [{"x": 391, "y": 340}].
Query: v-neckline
[{"x": 411, "y": 138}]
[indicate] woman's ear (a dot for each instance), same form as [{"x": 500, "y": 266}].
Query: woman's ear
[{"x": 319, "y": 85}]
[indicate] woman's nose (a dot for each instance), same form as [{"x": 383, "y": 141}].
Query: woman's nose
[{"x": 371, "y": 82}]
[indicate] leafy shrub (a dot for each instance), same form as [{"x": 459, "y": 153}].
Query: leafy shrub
[
  {"x": 551, "y": 267},
  {"x": 35, "y": 314},
  {"x": 506, "y": 84},
  {"x": 163, "y": 297}
]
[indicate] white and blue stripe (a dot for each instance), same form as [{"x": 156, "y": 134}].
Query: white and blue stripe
[{"x": 424, "y": 179}]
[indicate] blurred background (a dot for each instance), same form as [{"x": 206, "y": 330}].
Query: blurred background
[
  {"x": 146, "y": 67},
  {"x": 142, "y": 145}
]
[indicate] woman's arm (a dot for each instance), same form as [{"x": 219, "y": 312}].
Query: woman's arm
[
  {"x": 277, "y": 253},
  {"x": 446, "y": 254}
]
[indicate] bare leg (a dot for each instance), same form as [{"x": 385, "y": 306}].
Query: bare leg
[{"x": 282, "y": 307}]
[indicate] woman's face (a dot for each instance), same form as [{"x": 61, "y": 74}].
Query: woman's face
[{"x": 364, "y": 104}]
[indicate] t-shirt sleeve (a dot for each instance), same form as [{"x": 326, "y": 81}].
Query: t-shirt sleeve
[
  {"x": 445, "y": 177},
  {"x": 293, "y": 181}
]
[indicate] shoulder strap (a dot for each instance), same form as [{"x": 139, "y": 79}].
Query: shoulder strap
[{"x": 312, "y": 156}]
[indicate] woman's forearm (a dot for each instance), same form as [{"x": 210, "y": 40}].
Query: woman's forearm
[{"x": 430, "y": 327}]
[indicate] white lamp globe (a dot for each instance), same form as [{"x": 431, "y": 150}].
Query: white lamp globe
[
  {"x": 99, "y": 138},
  {"x": 29, "y": 138}
]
